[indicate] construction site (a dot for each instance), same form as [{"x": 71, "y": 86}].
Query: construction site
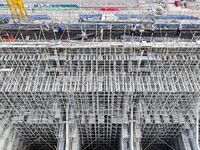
[{"x": 99, "y": 75}]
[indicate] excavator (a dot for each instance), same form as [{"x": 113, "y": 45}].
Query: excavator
[{"x": 17, "y": 9}]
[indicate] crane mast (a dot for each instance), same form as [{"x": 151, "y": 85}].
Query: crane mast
[{"x": 17, "y": 9}]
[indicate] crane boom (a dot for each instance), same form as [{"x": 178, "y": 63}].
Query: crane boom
[{"x": 17, "y": 9}]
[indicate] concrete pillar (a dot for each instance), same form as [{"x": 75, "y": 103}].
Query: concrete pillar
[
  {"x": 75, "y": 139},
  {"x": 131, "y": 129},
  {"x": 137, "y": 136},
  {"x": 4, "y": 137},
  {"x": 176, "y": 145},
  {"x": 192, "y": 139},
  {"x": 2, "y": 125},
  {"x": 67, "y": 144},
  {"x": 1, "y": 130},
  {"x": 20, "y": 145},
  {"x": 11, "y": 141},
  {"x": 124, "y": 137},
  {"x": 185, "y": 140},
  {"x": 135, "y": 132},
  {"x": 15, "y": 144},
  {"x": 180, "y": 143},
  {"x": 61, "y": 145}
]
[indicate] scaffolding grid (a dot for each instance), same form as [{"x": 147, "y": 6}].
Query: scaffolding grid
[{"x": 100, "y": 81}]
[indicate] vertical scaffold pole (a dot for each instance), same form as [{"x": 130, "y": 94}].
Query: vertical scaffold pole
[
  {"x": 131, "y": 142},
  {"x": 197, "y": 129},
  {"x": 67, "y": 129}
]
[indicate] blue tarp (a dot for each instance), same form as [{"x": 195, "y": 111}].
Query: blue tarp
[
  {"x": 78, "y": 26},
  {"x": 56, "y": 5},
  {"x": 127, "y": 16},
  {"x": 35, "y": 17},
  {"x": 91, "y": 16},
  {"x": 173, "y": 17},
  {"x": 47, "y": 5}
]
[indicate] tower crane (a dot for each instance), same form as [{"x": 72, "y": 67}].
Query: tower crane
[{"x": 17, "y": 9}]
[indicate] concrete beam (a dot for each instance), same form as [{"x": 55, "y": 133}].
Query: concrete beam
[{"x": 99, "y": 44}]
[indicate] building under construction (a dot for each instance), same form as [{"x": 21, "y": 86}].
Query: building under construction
[{"x": 102, "y": 76}]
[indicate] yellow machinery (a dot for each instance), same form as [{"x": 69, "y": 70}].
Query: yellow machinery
[{"x": 17, "y": 9}]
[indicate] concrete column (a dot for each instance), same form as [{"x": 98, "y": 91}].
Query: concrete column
[
  {"x": 180, "y": 143},
  {"x": 15, "y": 144},
  {"x": 20, "y": 145},
  {"x": 121, "y": 142},
  {"x": 2, "y": 125},
  {"x": 124, "y": 137},
  {"x": 131, "y": 126},
  {"x": 197, "y": 128},
  {"x": 176, "y": 144},
  {"x": 4, "y": 137},
  {"x": 61, "y": 138},
  {"x": 11, "y": 141},
  {"x": 75, "y": 139},
  {"x": 192, "y": 139},
  {"x": 67, "y": 144},
  {"x": 185, "y": 140}
]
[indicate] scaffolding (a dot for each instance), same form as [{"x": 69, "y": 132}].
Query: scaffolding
[
  {"x": 140, "y": 92},
  {"x": 101, "y": 87}
]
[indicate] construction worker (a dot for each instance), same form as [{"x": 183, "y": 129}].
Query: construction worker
[
  {"x": 185, "y": 4},
  {"x": 12, "y": 38},
  {"x": 60, "y": 29},
  {"x": 133, "y": 29},
  {"x": 84, "y": 35},
  {"x": 101, "y": 33},
  {"x": 141, "y": 29},
  {"x": 179, "y": 29},
  {"x": 45, "y": 26},
  {"x": 4, "y": 21},
  {"x": 43, "y": 55},
  {"x": 81, "y": 20},
  {"x": 153, "y": 29},
  {"x": 14, "y": 22},
  {"x": 4, "y": 38}
]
